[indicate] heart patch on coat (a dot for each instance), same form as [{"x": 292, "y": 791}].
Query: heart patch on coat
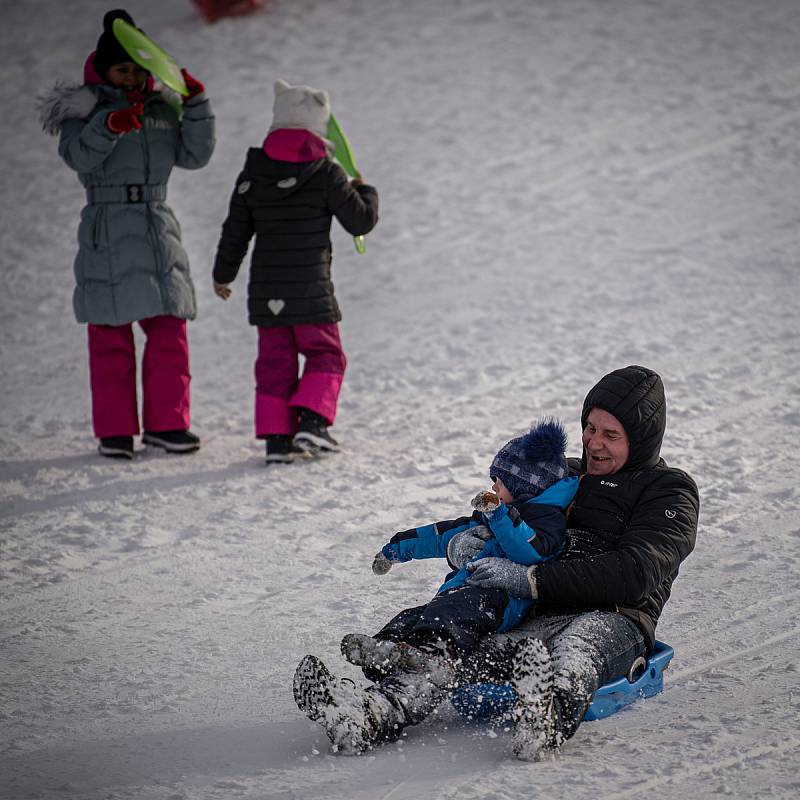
[{"x": 275, "y": 306}]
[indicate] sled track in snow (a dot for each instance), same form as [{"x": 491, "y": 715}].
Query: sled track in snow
[
  {"x": 749, "y": 754},
  {"x": 692, "y": 154},
  {"x": 591, "y": 146},
  {"x": 682, "y": 675}
]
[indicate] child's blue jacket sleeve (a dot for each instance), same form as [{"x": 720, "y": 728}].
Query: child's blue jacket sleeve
[
  {"x": 528, "y": 534},
  {"x": 428, "y": 541}
]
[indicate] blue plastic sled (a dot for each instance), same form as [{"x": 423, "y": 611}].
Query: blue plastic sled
[{"x": 484, "y": 701}]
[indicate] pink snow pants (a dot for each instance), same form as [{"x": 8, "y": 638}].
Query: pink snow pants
[
  {"x": 280, "y": 390},
  {"x": 165, "y": 377}
]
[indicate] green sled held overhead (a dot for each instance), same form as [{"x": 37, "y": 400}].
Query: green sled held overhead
[{"x": 150, "y": 56}]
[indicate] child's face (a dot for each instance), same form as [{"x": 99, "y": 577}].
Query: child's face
[
  {"x": 127, "y": 75},
  {"x": 500, "y": 490}
]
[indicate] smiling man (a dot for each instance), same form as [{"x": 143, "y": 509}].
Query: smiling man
[{"x": 631, "y": 524}]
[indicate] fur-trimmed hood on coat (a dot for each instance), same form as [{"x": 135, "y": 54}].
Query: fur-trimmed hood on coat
[
  {"x": 77, "y": 101},
  {"x": 67, "y": 101},
  {"x": 130, "y": 263}
]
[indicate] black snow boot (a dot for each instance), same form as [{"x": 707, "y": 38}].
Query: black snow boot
[
  {"x": 312, "y": 433},
  {"x": 281, "y": 449},
  {"x": 380, "y": 657},
  {"x": 172, "y": 441},
  {"x": 116, "y": 447}
]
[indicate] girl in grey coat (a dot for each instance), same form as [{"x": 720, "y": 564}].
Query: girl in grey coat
[{"x": 123, "y": 134}]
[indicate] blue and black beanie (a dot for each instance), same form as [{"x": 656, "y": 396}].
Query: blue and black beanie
[{"x": 532, "y": 463}]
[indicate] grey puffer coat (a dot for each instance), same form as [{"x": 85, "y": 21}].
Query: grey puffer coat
[{"x": 131, "y": 264}]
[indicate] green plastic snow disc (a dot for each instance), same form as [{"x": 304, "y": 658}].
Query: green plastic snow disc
[{"x": 147, "y": 54}]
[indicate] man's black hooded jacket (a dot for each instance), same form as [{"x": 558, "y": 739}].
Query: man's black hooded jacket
[{"x": 629, "y": 531}]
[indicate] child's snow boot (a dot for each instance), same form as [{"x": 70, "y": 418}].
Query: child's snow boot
[
  {"x": 379, "y": 657},
  {"x": 534, "y": 712},
  {"x": 437, "y": 660},
  {"x": 116, "y": 447},
  {"x": 172, "y": 441},
  {"x": 418, "y": 693},
  {"x": 281, "y": 450},
  {"x": 312, "y": 433}
]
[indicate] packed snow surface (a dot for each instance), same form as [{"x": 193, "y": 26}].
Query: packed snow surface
[{"x": 566, "y": 188}]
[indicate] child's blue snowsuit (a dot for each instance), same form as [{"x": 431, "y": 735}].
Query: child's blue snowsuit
[{"x": 526, "y": 532}]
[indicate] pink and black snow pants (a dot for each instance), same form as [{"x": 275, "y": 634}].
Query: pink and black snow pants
[
  {"x": 281, "y": 390},
  {"x": 165, "y": 377}
]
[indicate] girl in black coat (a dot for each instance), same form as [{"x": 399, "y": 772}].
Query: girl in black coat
[{"x": 286, "y": 196}]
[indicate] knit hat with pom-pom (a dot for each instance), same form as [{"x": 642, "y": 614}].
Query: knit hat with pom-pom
[
  {"x": 109, "y": 51},
  {"x": 532, "y": 463}
]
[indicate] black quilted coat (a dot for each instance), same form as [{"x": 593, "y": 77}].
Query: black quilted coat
[
  {"x": 289, "y": 208},
  {"x": 628, "y": 532}
]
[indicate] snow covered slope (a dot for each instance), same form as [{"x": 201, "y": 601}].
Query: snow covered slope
[{"x": 566, "y": 188}]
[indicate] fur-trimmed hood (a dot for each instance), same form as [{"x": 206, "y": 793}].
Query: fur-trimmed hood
[
  {"x": 77, "y": 101},
  {"x": 67, "y": 101}
]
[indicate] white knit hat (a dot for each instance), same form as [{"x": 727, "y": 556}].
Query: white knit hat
[{"x": 300, "y": 107}]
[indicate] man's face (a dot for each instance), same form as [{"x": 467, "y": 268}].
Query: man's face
[{"x": 605, "y": 443}]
